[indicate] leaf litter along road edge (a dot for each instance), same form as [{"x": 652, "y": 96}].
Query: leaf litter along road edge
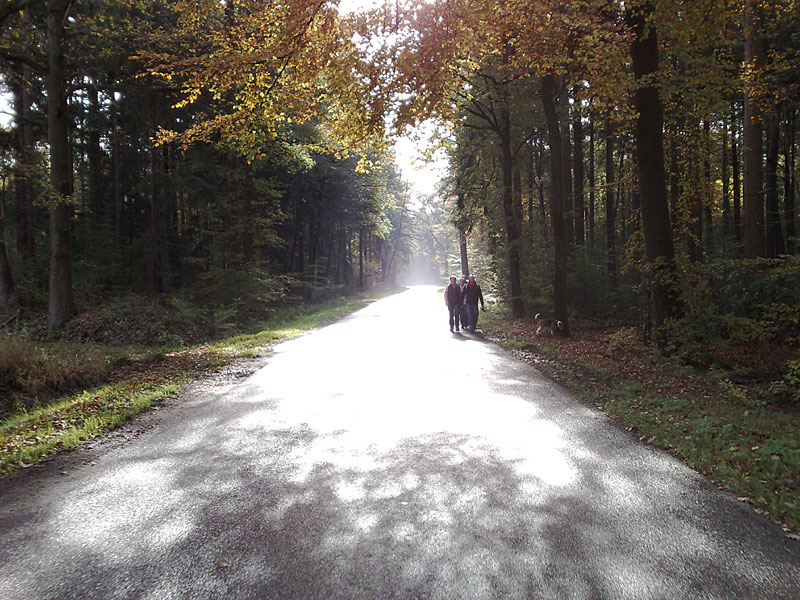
[
  {"x": 31, "y": 438},
  {"x": 729, "y": 433}
]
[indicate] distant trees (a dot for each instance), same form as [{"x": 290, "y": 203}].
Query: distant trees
[
  {"x": 676, "y": 119},
  {"x": 200, "y": 148},
  {"x": 601, "y": 152}
]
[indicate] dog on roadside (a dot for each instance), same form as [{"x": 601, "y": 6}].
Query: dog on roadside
[{"x": 550, "y": 325}]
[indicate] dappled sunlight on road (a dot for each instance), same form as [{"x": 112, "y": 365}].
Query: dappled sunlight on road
[{"x": 384, "y": 457}]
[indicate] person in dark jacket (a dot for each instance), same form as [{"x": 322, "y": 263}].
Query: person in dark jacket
[
  {"x": 462, "y": 310},
  {"x": 452, "y": 298},
  {"x": 472, "y": 295}
]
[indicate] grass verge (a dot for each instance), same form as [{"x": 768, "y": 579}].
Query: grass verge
[
  {"x": 141, "y": 379},
  {"x": 737, "y": 435}
]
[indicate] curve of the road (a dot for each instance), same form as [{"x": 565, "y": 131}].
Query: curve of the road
[{"x": 383, "y": 457}]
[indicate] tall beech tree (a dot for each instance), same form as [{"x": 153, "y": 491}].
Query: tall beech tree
[
  {"x": 649, "y": 134},
  {"x": 61, "y": 305},
  {"x": 753, "y": 147},
  {"x": 560, "y": 239}
]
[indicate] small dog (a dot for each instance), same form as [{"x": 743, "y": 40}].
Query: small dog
[{"x": 546, "y": 324}]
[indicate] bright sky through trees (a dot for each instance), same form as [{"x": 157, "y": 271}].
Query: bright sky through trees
[{"x": 422, "y": 174}]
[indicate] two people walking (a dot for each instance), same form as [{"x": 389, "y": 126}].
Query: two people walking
[{"x": 462, "y": 300}]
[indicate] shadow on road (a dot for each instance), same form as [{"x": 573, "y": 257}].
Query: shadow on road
[
  {"x": 298, "y": 513},
  {"x": 473, "y": 478}
]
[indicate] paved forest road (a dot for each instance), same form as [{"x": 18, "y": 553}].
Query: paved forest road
[{"x": 383, "y": 457}]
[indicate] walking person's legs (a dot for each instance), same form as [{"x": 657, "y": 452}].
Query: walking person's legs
[
  {"x": 472, "y": 316},
  {"x": 453, "y": 316}
]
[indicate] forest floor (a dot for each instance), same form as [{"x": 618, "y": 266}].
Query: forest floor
[
  {"x": 68, "y": 391},
  {"x": 725, "y": 424}
]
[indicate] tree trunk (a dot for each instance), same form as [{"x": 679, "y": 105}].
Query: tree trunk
[
  {"x": 540, "y": 186},
  {"x": 708, "y": 195},
  {"x": 735, "y": 173},
  {"x": 61, "y": 301},
  {"x": 247, "y": 237},
  {"x": 591, "y": 180},
  {"x": 8, "y": 295},
  {"x": 566, "y": 171},
  {"x": 531, "y": 187},
  {"x": 95, "y": 155},
  {"x": 754, "y": 235},
  {"x": 789, "y": 182},
  {"x": 675, "y": 188},
  {"x": 696, "y": 188},
  {"x": 560, "y": 241},
  {"x": 396, "y": 244},
  {"x": 462, "y": 234},
  {"x": 361, "y": 260},
  {"x": 611, "y": 213},
  {"x": 518, "y": 199},
  {"x": 726, "y": 190},
  {"x": 577, "y": 146},
  {"x": 512, "y": 226},
  {"x": 25, "y": 166},
  {"x": 649, "y": 136},
  {"x": 156, "y": 278},
  {"x": 117, "y": 192},
  {"x": 774, "y": 234}
]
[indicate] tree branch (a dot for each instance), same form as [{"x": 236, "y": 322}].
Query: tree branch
[
  {"x": 15, "y": 7},
  {"x": 14, "y": 56}
]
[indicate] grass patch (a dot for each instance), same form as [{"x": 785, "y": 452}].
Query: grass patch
[
  {"x": 738, "y": 435},
  {"x": 134, "y": 380}
]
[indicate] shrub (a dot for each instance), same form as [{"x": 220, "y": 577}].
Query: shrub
[
  {"x": 735, "y": 302},
  {"x": 33, "y": 372},
  {"x": 789, "y": 387}
]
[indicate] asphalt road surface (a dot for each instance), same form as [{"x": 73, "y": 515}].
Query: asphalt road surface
[{"x": 382, "y": 457}]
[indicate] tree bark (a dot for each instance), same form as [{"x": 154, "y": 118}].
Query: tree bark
[
  {"x": 95, "y": 155},
  {"x": 675, "y": 188},
  {"x": 577, "y": 167},
  {"x": 789, "y": 182},
  {"x": 754, "y": 234},
  {"x": 361, "y": 259},
  {"x": 540, "y": 190},
  {"x": 512, "y": 225},
  {"x": 566, "y": 170},
  {"x": 708, "y": 194},
  {"x": 591, "y": 180},
  {"x": 560, "y": 241},
  {"x": 774, "y": 232},
  {"x": 8, "y": 297},
  {"x": 611, "y": 212},
  {"x": 736, "y": 175},
  {"x": 726, "y": 189},
  {"x": 696, "y": 193},
  {"x": 462, "y": 234},
  {"x": 61, "y": 300},
  {"x": 156, "y": 278},
  {"x": 25, "y": 165},
  {"x": 115, "y": 179},
  {"x": 247, "y": 237},
  {"x": 649, "y": 136}
]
